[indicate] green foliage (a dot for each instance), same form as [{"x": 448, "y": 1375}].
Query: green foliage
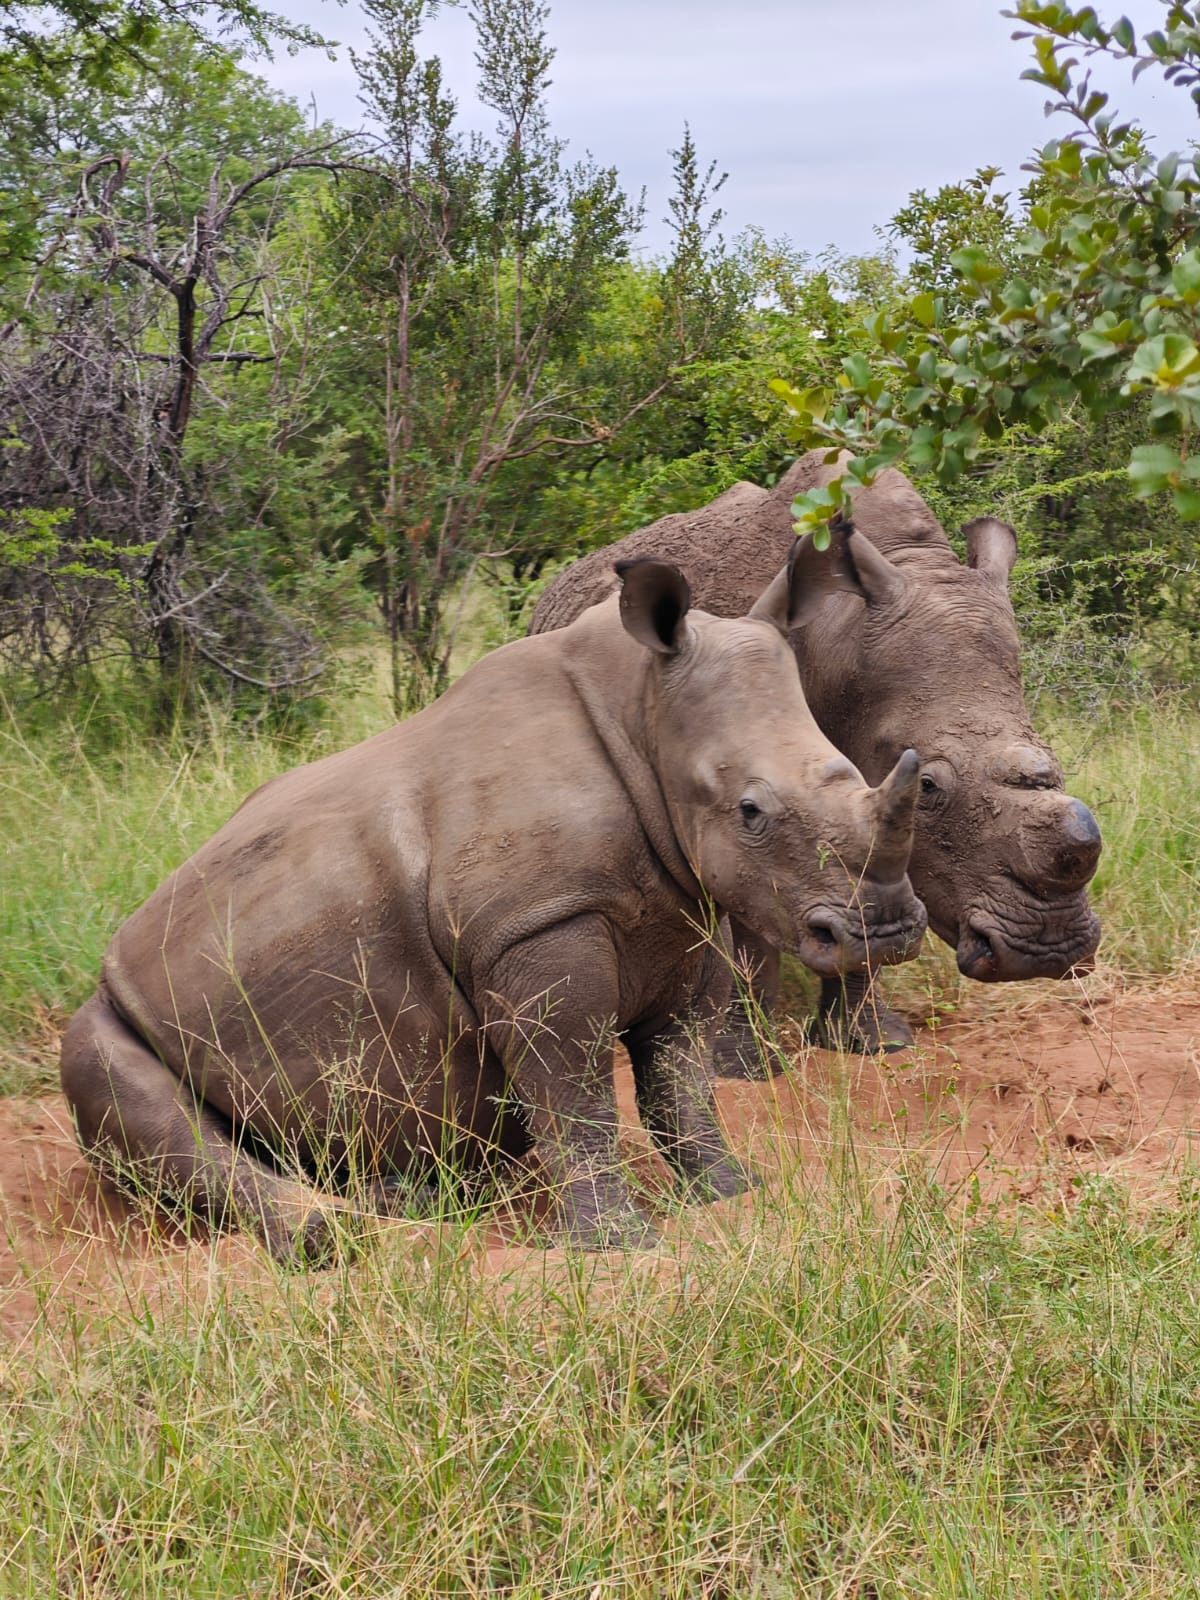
[
  {"x": 492, "y": 331},
  {"x": 62, "y": 58},
  {"x": 935, "y": 227},
  {"x": 1095, "y": 302},
  {"x": 155, "y": 379},
  {"x": 451, "y": 366},
  {"x": 41, "y": 40}
]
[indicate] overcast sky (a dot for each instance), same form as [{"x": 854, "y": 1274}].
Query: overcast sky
[{"x": 825, "y": 116}]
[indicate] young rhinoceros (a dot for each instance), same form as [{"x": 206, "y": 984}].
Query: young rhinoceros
[
  {"x": 420, "y": 948},
  {"x": 915, "y": 649}
]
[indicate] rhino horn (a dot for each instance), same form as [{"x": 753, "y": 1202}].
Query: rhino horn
[
  {"x": 878, "y": 580},
  {"x": 892, "y": 814}
]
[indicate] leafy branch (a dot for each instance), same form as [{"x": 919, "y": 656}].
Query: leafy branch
[{"x": 1104, "y": 304}]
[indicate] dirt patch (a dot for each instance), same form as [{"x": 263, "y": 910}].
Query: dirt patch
[{"x": 1022, "y": 1100}]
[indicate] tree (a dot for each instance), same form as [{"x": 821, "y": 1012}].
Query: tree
[
  {"x": 1097, "y": 305},
  {"x": 485, "y": 271},
  {"x": 49, "y": 48},
  {"x": 42, "y": 39},
  {"x": 151, "y": 284}
]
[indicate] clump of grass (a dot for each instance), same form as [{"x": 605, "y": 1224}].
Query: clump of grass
[
  {"x": 842, "y": 1394},
  {"x": 1138, "y": 772}
]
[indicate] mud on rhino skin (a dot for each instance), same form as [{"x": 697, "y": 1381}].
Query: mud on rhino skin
[{"x": 906, "y": 646}]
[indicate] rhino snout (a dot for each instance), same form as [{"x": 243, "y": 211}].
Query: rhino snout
[
  {"x": 835, "y": 941},
  {"x": 993, "y": 948}
]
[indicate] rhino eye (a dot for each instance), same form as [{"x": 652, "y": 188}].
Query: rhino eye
[
  {"x": 939, "y": 781},
  {"x": 753, "y": 816},
  {"x": 933, "y": 795}
]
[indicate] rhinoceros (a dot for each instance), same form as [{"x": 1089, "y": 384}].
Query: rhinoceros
[
  {"x": 419, "y": 950},
  {"x": 915, "y": 650}
]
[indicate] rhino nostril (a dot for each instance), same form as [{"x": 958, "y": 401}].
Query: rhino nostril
[
  {"x": 825, "y": 932},
  {"x": 1068, "y": 864},
  {"x": 977, "y": 954}
]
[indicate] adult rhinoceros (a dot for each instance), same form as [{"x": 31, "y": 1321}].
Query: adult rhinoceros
[
  {"x": 419, "y": 948},
  {"x": 918, "y": 650}
]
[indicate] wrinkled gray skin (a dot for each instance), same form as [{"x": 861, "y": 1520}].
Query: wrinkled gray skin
[
  {"x": 908, "y": 647},
  {"x": 421, "y": 948}
]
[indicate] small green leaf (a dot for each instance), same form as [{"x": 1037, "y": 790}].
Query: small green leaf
[
  {"x": 1017, "y": 296},
  {"x": 972, "y": 263},
  {"x": 858, "y": 369},
  {"x": 790, "y": 396},
  {"x": 1185, "y": 275},
  {"x": 1151, "y": 468},
  {"x": 916, "y": 397},
  {"x": 924, "y": 309},
  {"x": 1187, "y": 503}
]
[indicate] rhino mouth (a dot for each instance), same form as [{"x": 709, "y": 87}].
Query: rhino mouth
[
  {"x": 831, "y": 942},
  {"x": 1051, "y": 940}
]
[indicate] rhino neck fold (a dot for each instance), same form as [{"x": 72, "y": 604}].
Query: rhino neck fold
[{"x": 618, "y": 699}]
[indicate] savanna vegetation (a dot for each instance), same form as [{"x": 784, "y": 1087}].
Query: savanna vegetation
[{"x": 294, "y": 423}]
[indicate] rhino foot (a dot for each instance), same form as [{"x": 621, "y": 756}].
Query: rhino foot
[
  {"x": 722, "y": 1180},
  {"x": 745, "y": 1050},
  {"x": 853, "y": 1017},
  {"x": 631, "y": 1229},
  {"x": 405, "y": 1197},
  {"x": 597, "y": 1211},
  {"x": 323, "y": 1237}
]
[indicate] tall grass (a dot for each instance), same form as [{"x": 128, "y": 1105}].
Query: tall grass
[
  {"x": 93, "y": 815},
  {"x": 1140, "y": 771},
  {"x": 839, "y": 1397}
]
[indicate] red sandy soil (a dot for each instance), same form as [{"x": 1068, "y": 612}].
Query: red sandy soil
[{"x": 1023, "y": 1098}]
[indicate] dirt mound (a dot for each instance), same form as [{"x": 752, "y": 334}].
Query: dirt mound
[{"x": 1022, "y": 1102}]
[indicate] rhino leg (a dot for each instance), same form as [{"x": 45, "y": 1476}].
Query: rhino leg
[
  {"x": 556, "y": 1046},
  {"x": 138, "y": 1123},
  {"x": 675, "y": 1098},
  {"x": 852, "y": 1015},
  {"x": 743, "y": 1049}
]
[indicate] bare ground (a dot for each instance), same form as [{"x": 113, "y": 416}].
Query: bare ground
[{"x": 1010, "y": 1102}]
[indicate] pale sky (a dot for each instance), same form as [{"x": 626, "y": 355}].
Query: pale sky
[{"x": 825, "y": 116}]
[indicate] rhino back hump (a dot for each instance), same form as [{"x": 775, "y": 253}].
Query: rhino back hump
[{"x": 728, "y": 550}]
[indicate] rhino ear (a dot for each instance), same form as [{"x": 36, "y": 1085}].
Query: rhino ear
[
  {"x": 991, "y": 550},
  {"x": 655, "y": 599},
  {"x": 851, "y": 564},
  {"x": 794, "y": 595}
]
